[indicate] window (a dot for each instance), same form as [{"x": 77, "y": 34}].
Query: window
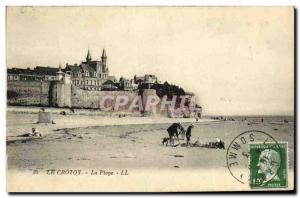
[{"x": 87, "y": 82}]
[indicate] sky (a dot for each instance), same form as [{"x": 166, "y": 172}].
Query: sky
[{"x": 237, "y": 60}]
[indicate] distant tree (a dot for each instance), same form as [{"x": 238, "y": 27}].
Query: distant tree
[{"x": 12, "y": 94}]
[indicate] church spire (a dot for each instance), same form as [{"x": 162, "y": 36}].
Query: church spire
[
  {"x": 88, "y": 56},
  {"x": 104, "y": 59},
  {"x": 103, "y": 54}
]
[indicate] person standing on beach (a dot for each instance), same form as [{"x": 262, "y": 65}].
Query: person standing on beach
[{"x": 189, "y": 134}]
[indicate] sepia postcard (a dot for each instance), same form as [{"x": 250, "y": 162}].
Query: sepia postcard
[{"x": 150, "y": 99}]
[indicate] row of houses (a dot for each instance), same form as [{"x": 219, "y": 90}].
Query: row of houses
[
  {"x": 89, "y": 75},
  {"x": 36, "y": 74}
]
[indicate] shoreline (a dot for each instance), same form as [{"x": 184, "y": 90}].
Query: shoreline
[{"x": 22, "y": 120}]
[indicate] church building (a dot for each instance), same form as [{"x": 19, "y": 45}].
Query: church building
[{"x": 90, "y": 74}]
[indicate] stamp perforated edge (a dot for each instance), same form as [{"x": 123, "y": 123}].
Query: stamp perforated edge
[{"x": 287, "y": 165}]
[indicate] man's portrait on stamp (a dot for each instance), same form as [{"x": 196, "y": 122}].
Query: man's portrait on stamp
[{"x": 268, "y": 164}]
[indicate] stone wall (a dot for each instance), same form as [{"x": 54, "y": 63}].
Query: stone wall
[
  {"x": 44, "y": 117},
  {"x": 62, "y": 94},
  {"x": 147, "y": 93},
  {"x": 91, "y": 99},
  {"x": 28, "y": 93}
]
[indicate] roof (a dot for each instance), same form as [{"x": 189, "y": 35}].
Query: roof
[
  {"x": 108, "y": 82},
  {"x": 189, "y": 93},
  {"x": 112, "y": 78},
  {"x": 94, "y": 64},
  {"x": 45, "y": 70},
  {"x": 39, "y": 70},
  {"x": 83, "y": 67},
  {"x": 20, "y": 71},
  {"x": 86, "y": 67},
  {"x": 73, "y": 68},
  {"x": 150, "y": 75},
  {"x": 140, "y": 78}
]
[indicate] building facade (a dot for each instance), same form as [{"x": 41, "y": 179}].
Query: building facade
[
  {"x": 90, "y": 74},
  {"x": 39, "y": 73}
]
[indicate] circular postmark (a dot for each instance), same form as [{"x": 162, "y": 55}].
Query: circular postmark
[{"x": 238, "y": 153}]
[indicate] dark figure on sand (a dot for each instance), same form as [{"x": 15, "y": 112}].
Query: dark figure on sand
[
  {"x": 33, "y": 133},
  {"x": 189, "y": 134},
  {"x": 165, "y": 140},
  {"x": 173, "y": 131}
]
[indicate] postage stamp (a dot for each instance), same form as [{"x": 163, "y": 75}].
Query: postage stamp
[
  {"x": 238, "y": 153},
  {"x": 268, "y": 165}
]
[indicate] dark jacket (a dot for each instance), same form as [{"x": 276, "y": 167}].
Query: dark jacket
[
  {"x": 172, "y": 130},
  {"x": 189, "y": 131}
]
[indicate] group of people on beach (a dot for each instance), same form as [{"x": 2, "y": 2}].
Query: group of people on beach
[
  {"x": 221, "y": 118},
  {"x": 177, "y": 129},
  {"x": 173, "y": 132}
]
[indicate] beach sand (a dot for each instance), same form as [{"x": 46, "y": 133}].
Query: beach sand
[{"x": 134, "y": 143}]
